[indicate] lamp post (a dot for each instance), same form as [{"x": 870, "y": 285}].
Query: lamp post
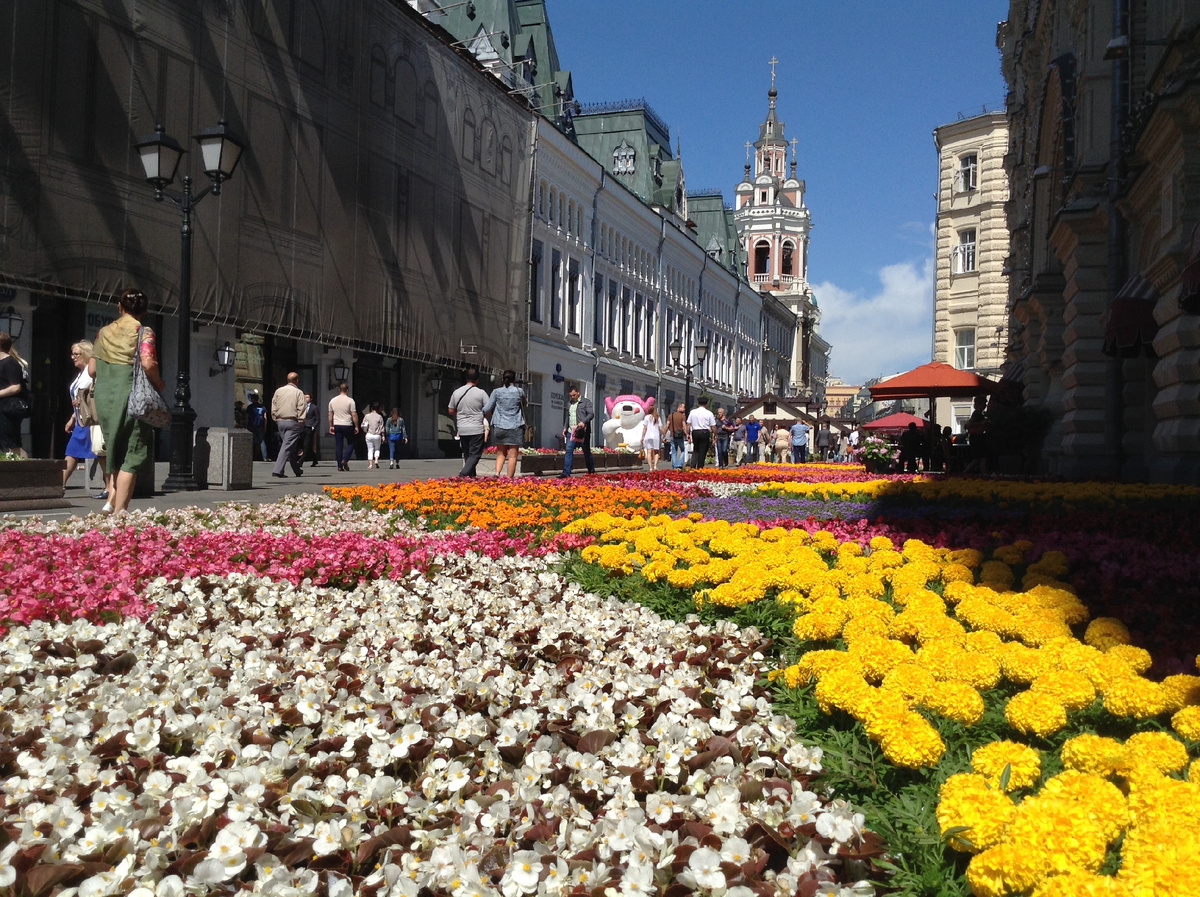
[
  {"x": 160, "y": 155},
  {"x": 676, "y": 349}
]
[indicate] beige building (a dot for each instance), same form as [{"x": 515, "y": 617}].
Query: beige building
[
  {"x": 1103, "y": 104},
  {"x": 970, "y": 315}
]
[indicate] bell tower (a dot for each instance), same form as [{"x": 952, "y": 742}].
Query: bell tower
[{"x": 773, "y": 224}]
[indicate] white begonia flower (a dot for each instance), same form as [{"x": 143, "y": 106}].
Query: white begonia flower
[
  {"x": 338, "y": 885},
  {"x": 638, "y": 881},
  {"x": 705, "y": 866},
  {"x": 735, "y": 850},
  {"x": 804, "y": 759},
  {"x": 804, "y": 809},
  {"x": 809, "y": 859},
  {"x": 8, "y": 874},
  {"x": 522, "y": 873},
  {"x": 328, "y": 837},
  {"x": 840, "y": 823}
]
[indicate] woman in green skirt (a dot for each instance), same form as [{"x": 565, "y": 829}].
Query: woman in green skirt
[{"x": 127, "y": 440}]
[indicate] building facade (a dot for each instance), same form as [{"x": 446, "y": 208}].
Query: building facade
[
  {"x": 420, "y": 192},
  {"x": 1104, "y": 160},
  {"x": 773, "y": 224},
  {"x": 970, "y": 313}
]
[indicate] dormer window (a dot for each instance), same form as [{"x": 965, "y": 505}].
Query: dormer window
[{"x": 623, "y": 157}]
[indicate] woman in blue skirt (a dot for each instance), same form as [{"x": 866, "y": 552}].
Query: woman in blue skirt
[{"x": 79, "y": 446}]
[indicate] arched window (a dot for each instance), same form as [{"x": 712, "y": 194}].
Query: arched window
[
  {"x": 468, "y": 137},
  {"x": 788, "y": 249},
  {"x": 762, "y": 257},
  {"x": 405, "y": 81},
  {"x": 570, "y": 215},
  {"x": 542, "y": 200},
  {"x": 553, "y": 203}
]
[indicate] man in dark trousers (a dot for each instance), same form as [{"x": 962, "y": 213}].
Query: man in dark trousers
[
  {"x": 577, "y": 431},
  {"x": 466, "y": 407},
  {"x": 912, "y": 444}
]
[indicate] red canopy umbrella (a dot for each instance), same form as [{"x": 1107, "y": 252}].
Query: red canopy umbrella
[
  {"x": 932, "y": 380},
  {"x": 894, "y": 423}
]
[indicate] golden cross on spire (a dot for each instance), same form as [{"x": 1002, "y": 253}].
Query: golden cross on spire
[
  {"x": 748, "y": 145},
  {"x": 773, "y": 62}
]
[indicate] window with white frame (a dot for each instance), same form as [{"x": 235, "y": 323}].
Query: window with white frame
[
  {"x": 968, "y": 173},
  {"x": 574, "y": 295},
  {"x": 964, "y": 252},
  {"x": 555, "y": 288},
  {"x": 964, "y": 348}
]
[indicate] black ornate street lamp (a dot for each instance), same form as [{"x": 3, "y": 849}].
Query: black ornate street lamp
[
  {"x": 220, "y": 151},
  {"x": 676, "y": 349}
]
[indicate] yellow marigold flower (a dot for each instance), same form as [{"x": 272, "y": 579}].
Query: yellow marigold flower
[
  {"x": 967, "y": 557},
  {"x": 880, "y": 543},
  {"x": 1156, "y": 799},
  {"x": 881, "y": 712},
  {"x": 1092, "y": 753},
  {"x": 1181, "y": 690},
  {"x": 1158, "y": 750},
  {"x": 818, "y": 627},
  {"x": 1194, "y": 772},
  {"x": 1104, "y": 632},
  {"x": 1187, "y": 722},
  {"x": 1138, "y": 659},
  {"x": 909, "y": 680},
  {"x": 1022, "y": 664},
  {"x": 996, "y": 573},
  {"x": 957, "y": 573},
  {"x": 957, "y": 701},
  {"x": 877, "y": 655},
  {"x": 1082, "y": 883},
  {"x": 1035, "y": 713},
  {"x": 841, "y": 688},
  {"x": 988, "y": 643},
  {"x": 954, "y": 664},
  {"x": 859, "y": 628},
  {"x": 913, "y": 744},
  {"x": 957, "y": 590},
  {"x": 1039, "y": 629},
  {"x": 852, "y": 549},
  {"x": 1024, "y": 764},
  {"x": 1135, "y": 697},
  {"x": 1093, "y": 797},
  {"x": 968, "y": 800},
  {"x": 1073, "y": 690}
]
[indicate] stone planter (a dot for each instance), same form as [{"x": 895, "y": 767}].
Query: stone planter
[
  {"x": 540, "y": 464},
  {"x": 32, "y": 485}
]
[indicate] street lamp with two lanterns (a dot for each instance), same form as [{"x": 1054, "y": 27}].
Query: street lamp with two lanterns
[{"x": 220, "y": 151}]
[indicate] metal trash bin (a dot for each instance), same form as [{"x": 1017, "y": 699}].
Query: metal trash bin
[{"x": 223, "y": 458}]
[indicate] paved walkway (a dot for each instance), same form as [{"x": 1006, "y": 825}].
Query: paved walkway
[{"x": 266, "y": 488}]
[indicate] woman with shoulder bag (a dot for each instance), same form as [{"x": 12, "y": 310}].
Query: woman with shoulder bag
[
  {"x": 83, "y": 413},
  {"x": 128, "y": 440},
  {"x": 506, "y": 407}
]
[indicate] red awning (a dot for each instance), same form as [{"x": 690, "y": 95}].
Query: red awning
[
  {"x": 897, "y": 422},
  {"x": 932, "y": 380},
  {"x": 1131, "y": 328}
]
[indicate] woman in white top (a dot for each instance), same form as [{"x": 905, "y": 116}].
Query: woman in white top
[
  {"x": 372, "y": 425},
  {"x": 651, "y": 440},
  {"x": 79, "y": 446}
]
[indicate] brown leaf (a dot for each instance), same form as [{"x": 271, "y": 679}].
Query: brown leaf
[
  {"x": 120, "y": 664},
  {"x": 595, "y": 741}
]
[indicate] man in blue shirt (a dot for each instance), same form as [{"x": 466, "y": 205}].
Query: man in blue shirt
[
  {"x": 753, "y": 428},
  {"x": 799, "y": 440}
]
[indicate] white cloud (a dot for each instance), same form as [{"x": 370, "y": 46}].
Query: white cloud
[{"x": 882, "y": 334}]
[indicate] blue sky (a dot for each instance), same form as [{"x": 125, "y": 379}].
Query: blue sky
[{"x": 862, "y": 84}]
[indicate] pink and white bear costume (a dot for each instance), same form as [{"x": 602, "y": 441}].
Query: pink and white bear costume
[{"x": 624, "y": 425}]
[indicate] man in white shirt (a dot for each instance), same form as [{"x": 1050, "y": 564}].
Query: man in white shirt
[
  {"x": 466, "y": 407},
  {"x": 700, "y": 425}
]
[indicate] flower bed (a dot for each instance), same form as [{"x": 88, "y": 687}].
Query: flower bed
[{"x": 367, "y": 693}]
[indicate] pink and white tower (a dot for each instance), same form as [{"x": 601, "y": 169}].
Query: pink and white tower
[{"x": 773, "y": 225}]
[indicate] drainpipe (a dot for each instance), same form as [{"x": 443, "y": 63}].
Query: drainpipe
[
  {"x": 592, "y": 285},
  {"x": 1114, "y": 406},
  {"x": 658, "y": 301}
]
